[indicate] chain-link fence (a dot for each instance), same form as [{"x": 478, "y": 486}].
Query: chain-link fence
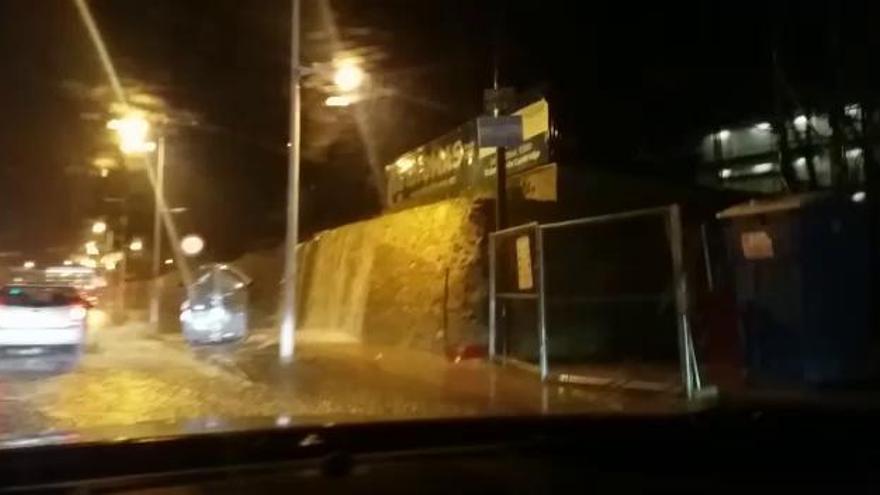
[{"x": 594, "y": 300}]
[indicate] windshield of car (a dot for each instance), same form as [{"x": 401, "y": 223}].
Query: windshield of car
[
  {"x": 296, "y": 212},
  {"x": 38, "y": 297}
]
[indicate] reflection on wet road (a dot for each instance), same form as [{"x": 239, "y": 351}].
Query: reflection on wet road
[
  {"x": 129, "y": 375},
  {"x": 124, "y": 377}
]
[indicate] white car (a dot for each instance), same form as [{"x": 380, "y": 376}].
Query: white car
[
  {"x": 37, "y": 319},
  {"x": 216, "y": 308}
]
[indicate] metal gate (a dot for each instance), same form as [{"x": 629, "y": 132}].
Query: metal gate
[
  {"x": 604, "y": 292},
  {"x": 516, "y": 296}
]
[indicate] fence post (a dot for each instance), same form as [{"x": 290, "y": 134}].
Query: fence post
[
  {"x": 542, "y": 299},
  {"x": 686, "y": 354},
  {"x": 492, "y": 302}
]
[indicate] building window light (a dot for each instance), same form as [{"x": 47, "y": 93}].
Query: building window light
[
  {"x": 762, "y": 168},
  {"x": 853, "y": 153},
  {"x": 404, "y": 164},
  {"x": 853, "y": 111}
]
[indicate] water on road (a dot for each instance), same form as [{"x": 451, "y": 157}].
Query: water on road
[{"x": 131, "y": 375}]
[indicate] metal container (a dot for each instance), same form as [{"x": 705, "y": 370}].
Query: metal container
[{"x": 800, "y": 267}]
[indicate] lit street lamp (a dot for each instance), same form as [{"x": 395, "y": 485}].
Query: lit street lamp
[
  {"x": 136, "y": 245},
  {"x": 133, "y": 132},
  {"x": 28, "y": 265},
  {"x": 191, "y": 245},
  {"x": 99, "y": 227},
  {"x": 348, "y": 77}
]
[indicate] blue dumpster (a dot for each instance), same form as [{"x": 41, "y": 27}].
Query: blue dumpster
[{"x": 800, "y": 266}]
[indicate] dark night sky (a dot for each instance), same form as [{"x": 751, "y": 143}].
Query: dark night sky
[{"x": 627, "y": 86}]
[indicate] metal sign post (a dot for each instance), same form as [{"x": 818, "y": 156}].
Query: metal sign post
[
  {"x": 690, "y": 373},
  {"x": 159, "y": 205},
  {"x": 501, "y": 188},
  {"x": 493, "y": 338},
  {"x": 500, "y": 133}
]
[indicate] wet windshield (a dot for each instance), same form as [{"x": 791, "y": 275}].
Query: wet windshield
[{"x": 300, "y": 211}]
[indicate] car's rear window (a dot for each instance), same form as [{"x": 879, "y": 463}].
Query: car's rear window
[{"x": 36, "y": 297}]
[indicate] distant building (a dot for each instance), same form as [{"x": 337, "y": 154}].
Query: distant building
[{"x": 753, "y": 156}]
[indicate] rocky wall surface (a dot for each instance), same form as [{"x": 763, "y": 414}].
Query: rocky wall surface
[{"x": 415, "y": 278}]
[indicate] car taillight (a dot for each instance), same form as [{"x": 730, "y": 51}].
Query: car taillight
[{"x": 78, "y": 313}]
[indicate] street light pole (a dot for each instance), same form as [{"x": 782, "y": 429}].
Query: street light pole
[
  {"x": 122, "y": 274},
  {"x": 288, "y": 294},
  {"x": 159, "y": 201}
]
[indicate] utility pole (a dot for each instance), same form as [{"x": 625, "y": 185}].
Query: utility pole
[
  {"x": 500, "y": 151},
  {"x": 159, "y": 201},
  {"x": 836, "y": 118},
  {"x": 500, "y": 166},
  {"x": 780, "y": 120},
  {"x": 122, "y": 273},
  {"x": 287, "y": 328}
]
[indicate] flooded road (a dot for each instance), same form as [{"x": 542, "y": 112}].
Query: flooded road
[{"x": 131, "y": 375}]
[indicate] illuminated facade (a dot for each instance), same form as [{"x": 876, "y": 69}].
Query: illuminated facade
[{"x": 806, "y": 155}]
